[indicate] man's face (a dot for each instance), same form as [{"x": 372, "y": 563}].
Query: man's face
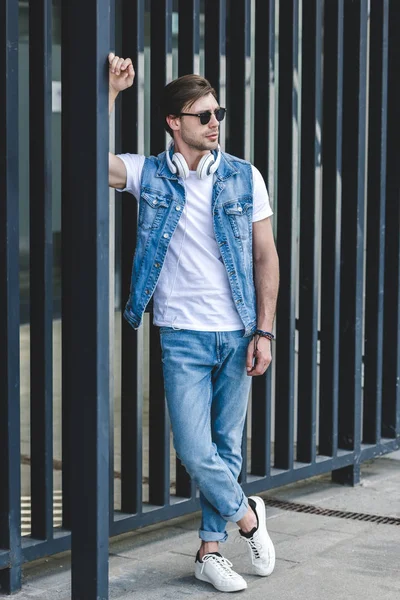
[{"x": 193, "y": 133}]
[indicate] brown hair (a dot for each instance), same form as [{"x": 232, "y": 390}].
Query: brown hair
[{"x": 182, "y": 93}]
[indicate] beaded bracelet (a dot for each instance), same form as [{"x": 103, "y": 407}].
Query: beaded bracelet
[{"x": 267, "y": 334}]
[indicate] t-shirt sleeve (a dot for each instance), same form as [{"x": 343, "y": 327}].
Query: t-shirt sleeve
[
  {"x": 134, "y": 166},
  {"x": 261, "y": 206}
]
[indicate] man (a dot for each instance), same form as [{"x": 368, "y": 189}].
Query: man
[{"x": 205, "y": 249}]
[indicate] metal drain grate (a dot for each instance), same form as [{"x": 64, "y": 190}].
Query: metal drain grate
[{"x": 328, "y": 512}]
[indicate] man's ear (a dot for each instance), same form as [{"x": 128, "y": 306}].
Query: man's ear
[{"x": 173, "y": 122}]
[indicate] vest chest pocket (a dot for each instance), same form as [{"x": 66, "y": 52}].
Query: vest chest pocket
[
  {"x": 239, "y": 213},
  {"x": 152, "y": 210}
]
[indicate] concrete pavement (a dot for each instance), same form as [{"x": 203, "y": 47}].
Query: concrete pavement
[{"x": 318, "y": 557}]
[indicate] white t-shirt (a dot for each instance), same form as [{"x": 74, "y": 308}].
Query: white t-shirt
[{"x": 193, "y": 290}]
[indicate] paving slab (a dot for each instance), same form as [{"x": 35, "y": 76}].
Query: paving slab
[
  {"x": 297, "y": 524},
  {"x": 378, "y": 492}
]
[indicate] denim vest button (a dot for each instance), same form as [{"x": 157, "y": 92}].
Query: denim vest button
[
  {"x": 166, "y": 235},
  {"x": 154, "y": 201},
  {"x": 178, "y": 208},
  {"x": 157, "y": 265},
  {"x": 147, "y": 291}
]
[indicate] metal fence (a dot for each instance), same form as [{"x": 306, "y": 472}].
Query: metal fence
[{"x": 312, "y": 91}]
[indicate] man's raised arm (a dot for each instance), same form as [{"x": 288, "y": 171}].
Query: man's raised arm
[{"x": 121, "y": 76}]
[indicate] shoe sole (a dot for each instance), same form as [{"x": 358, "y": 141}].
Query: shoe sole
[
  {"x": 237, "y": 588},
  {"x": 262, "y": 521}
]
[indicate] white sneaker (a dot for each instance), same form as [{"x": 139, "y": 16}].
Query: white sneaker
[
  {"x": 261, "y": 548},
  {"x": 216, "y": 569}
]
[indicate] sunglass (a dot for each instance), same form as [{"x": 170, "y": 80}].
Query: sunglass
[{"x": 206, "y": 115}]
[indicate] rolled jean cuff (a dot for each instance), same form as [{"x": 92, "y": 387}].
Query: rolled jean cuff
[
  {"x": 239, "y": 514},
  {"x": 213, "y": 536}
]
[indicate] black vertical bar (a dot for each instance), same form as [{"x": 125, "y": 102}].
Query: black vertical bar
[
  {"x": 131, "y": 388},
  {"x": 10, "y": 488},
  {"x": 159, "y": 452},
  {"x": 41, "y": 268},
  {"x": 286, "y": 235},
  {"x": 261, "y": 425},
  {"x": 214, "y": 41},
  {"x": 131, "y": 409},
  {"x": 161, "y": 48},
  {"x": 238, "y": 34},
  {"x": 352, "y": 243},
  {"x": 67, "y": 273},
  {"x": 243, "y": 471},
  {"x": 159, "y": 429},
  {"x": 264, "y": 78},
  {"x": 111, "y": 491},
  {"x": 331, "y": 226},
  {"x": 85, "y": 133},
  {"x": 309, "y": 215},
  {"x": 185, "y": 487},
  {"x": 378, "y": 64},
  {"x": 391, "y": 354},
  {"x": 189, "y": 35}
]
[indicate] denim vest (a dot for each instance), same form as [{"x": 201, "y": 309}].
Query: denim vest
[{"x": 162, "y": 200}]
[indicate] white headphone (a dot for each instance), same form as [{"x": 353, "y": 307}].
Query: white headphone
[{"x": 178, "y": 165}]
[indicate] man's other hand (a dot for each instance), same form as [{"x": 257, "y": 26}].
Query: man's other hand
[
  {"x": 121, "y": 73},
  {"x": 258, "y": 356}
]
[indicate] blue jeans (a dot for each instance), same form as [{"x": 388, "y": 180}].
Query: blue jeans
[{"x": 207, "y": 391}]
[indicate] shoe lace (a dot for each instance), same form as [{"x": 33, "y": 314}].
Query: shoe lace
[
  {"x": 255, "y": 547},
  {"x": 222, "y": 564}
]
